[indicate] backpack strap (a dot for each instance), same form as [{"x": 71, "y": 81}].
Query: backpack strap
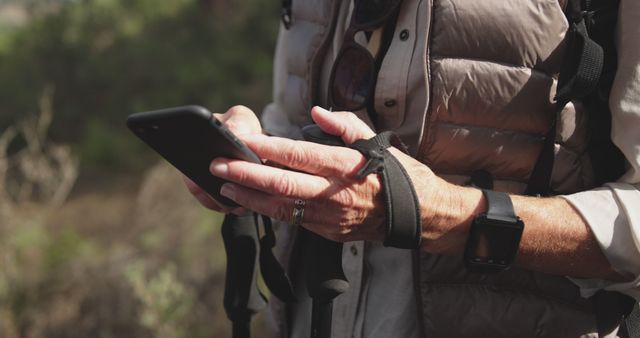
[
  {"x": 587, "y": 75},
  {"x": 584, "y": 58},
  {"x": 579, "y": 77},
  {"x": 608, "y": 162}
]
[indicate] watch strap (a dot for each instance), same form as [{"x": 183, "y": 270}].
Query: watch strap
[
  {"x": 499, "y": 206},
  {"x": 499, "y": 216}
]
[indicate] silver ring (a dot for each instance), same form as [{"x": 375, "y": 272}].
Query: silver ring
[{"x": 298, "y": 212}]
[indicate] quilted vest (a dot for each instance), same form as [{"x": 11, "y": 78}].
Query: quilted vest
[{"x": 490, "y": 71}]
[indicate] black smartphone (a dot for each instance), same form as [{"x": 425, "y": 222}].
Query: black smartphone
[{"x": 189, "y": 138}]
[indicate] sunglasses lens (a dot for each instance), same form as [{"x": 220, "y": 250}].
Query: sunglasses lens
[
  {"x": 352, "y": 79},
  {"x": 371, "y": 11}
]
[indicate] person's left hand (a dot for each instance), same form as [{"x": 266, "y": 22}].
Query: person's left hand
[{"x": 338, "y": 206}]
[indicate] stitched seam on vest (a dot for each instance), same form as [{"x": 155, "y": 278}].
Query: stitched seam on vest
[
  {"x": 427, "y": 137},
  {"x": 423, "y": 143},
  {"x": 506, "y": 131},
  {"x": 504, "y": 64},
  {"x": 519, "y": 290},
  {"x": 579, "y": 155}
]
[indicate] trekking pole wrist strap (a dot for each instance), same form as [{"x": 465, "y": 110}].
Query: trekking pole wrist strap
[{"x": 403, "y": 228}]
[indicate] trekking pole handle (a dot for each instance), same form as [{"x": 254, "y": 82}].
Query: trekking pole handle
[
  {"x": 325, "y": 276},
  {"x": 242, "y": 298}
]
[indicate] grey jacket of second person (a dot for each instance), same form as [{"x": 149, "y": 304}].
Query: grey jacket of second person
[{"x": 480, "y": 96}]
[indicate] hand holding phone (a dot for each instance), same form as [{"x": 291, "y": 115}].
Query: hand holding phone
[
  {"x": 240, "y": 120},
  {"x": 191, "y": 137}
]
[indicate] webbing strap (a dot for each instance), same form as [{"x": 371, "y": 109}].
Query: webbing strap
[
  {"x": 580, "y": 77},
  {"x": 584, "y": 65},
  {"x": 401, "y": 201},
  {"x": 540, "y": 179},
  {"x": 273, "y": 274},
  {"x": 581, "y": 73}
]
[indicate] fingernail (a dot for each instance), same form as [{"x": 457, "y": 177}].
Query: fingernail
[
  {"x": 322, "y": 110},
  {"x": 228, "y": 191},
  {"x": 219, "y": 169}
]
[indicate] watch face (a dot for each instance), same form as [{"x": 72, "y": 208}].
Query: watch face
[{"x": 493, "y": 242}]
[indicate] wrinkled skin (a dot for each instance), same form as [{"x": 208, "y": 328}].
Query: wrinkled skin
[
  {"x": 342, "y": 208},
  {"x": 241, "y": 121},
  {"x": 338, "y": 206}
]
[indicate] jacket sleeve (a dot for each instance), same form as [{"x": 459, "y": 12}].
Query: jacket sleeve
[{"x": 613, "y": 211}]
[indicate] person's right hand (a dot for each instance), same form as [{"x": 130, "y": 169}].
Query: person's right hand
[{"x": 241, "y": 121}]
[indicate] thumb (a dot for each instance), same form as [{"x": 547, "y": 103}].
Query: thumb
[
  {"x": 346, "y": 125},
  {"x": 240, "y": 120}
]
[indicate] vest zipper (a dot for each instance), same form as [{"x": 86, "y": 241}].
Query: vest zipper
[
  {"x": 421, "y": 148},
  {"x": 423, "y": 142}
]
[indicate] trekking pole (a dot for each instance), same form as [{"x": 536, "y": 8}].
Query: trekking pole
[
  {"x": 325, "y": 281},
  {"x": 242, "y": 299},
  {"x": 324, "y": 275}
]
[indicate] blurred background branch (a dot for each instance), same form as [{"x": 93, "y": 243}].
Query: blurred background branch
[
  {"x": 98, "y": 237},
  {"x": 43, "y": 172}
]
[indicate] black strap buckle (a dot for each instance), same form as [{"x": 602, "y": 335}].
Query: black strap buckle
[{"x": 272, "y": 272}]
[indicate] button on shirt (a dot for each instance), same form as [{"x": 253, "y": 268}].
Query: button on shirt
[{"x": 381, "y": 300}]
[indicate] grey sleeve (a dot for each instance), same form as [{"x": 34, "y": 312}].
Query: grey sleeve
[{"x": 613, "y": 211}]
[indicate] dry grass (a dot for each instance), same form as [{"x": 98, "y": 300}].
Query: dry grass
[
  {"x": 143, "y": 264},
  {"x": 114, "y": 266},
  {"x": 40, "y": 171}
]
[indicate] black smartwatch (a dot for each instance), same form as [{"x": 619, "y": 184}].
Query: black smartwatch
[{"x": 494, "y": 236}]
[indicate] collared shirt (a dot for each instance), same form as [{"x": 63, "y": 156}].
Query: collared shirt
[
  {"x": 371, "y": 268},
  {"x": 374, "y": 270},
  {"x": 619, "y": 203}
]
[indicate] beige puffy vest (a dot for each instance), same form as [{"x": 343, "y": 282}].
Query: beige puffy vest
[{"x": 491, "y": 68}]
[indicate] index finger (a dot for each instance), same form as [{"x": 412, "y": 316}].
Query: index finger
[{"x": 314, "y": 158}]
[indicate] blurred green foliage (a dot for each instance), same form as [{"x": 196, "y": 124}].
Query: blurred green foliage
[
  {"x": 146, "y": 262},
  {"x": 109, "y": 58},
  {"x": 166, "y": 301},
  {"x": 68, "y": 282}
]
